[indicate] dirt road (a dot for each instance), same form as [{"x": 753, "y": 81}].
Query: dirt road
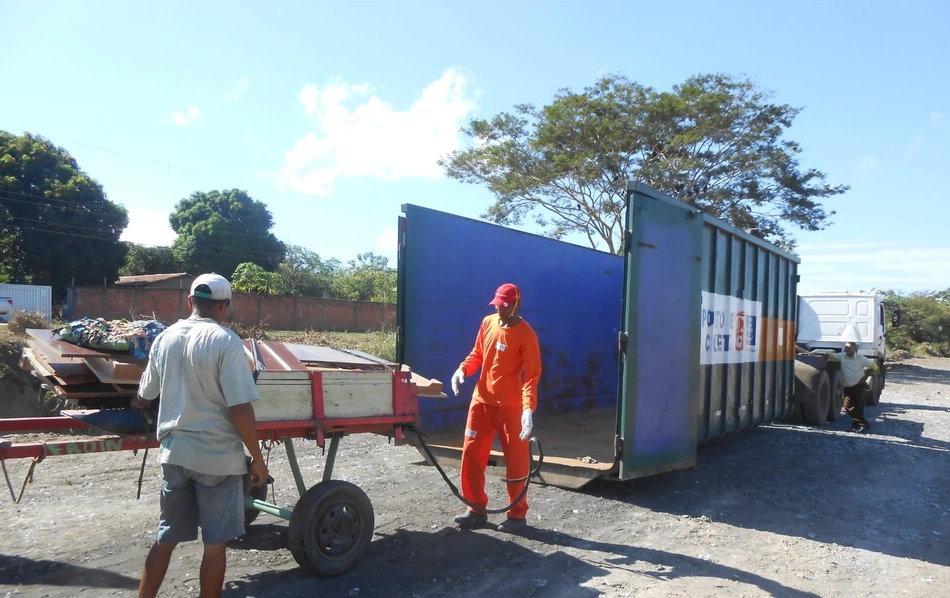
[{"x": 779, "y": 511}]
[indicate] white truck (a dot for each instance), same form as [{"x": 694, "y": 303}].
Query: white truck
[
  {"x": 826, "y": 321},
  {"x": 6, "y": 309}
]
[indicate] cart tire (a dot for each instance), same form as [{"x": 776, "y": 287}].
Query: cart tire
[
  {"x": 836, "y": 383},
  {"x": 331, "y": 527}
]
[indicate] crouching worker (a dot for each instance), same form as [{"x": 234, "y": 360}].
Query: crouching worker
[
  {"x": 505, "y": 397},
  {"x": 199, "y": 368}
]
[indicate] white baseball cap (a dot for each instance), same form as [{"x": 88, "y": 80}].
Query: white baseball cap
[{"x": 211, "y": 286}]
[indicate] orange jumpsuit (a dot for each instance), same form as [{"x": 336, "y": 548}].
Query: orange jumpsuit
[{"x": 510, "y": 360}]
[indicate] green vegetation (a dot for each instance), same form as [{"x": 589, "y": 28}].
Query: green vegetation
[
  {"x": 303, "y": 273},
  {"x": 56, "y": 224},
  {"x": 924, "y": 329},
  {"x": 219, "y": 230},
  {"x": 715, "y": 142}
]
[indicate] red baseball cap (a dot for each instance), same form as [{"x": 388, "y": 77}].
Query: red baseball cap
[{"x": 506, "y": 295}]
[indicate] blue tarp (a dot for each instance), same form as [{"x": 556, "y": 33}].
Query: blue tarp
[{"x": 449, "y": 268}]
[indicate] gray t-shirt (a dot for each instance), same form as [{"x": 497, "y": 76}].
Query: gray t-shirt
[{"x": 200, "y": 370}]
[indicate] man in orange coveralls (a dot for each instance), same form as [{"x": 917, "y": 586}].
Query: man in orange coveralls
[{"x": 504, "y": 399}]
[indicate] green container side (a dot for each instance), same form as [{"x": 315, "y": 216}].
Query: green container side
[{"x": 708, "y": 319}]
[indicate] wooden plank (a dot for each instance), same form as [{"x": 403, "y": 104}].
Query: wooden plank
[
  {"x": 274, "y": 357},
  {"x": 93, "y": 391},
  {"x": 113, "y": 372},
  {"x": 286, "y": 401},
  {"x": 53, "y": 347},
  {"x": 357, "y": 394},
  {"x": 425, "y": 386},
  {"x": 60, "y": 366},
  {"x": 582, "y": 438}
]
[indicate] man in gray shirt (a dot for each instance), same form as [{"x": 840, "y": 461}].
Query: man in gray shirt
[
  {"x": 855, "y": 369},
  {"x": 205, "y": 420}
]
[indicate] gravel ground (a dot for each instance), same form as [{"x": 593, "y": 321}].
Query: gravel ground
[{"x": 780, "y": 510}]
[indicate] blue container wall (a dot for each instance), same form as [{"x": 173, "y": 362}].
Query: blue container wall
[
  {"x": 449, "y": 268},
  {"x": 748, "y": 331}
]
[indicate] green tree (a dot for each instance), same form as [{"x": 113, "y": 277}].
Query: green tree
[
  {"x": 220, "y": 229},
  {"x": 714, "y": 141},
  {"x": 367, "y": 278},
  {"x": 251, "y": 278},
  {"x": 924, "y": 328},
  {"x": 143, "y": 259},
  {"x": 56, "y": 224},
  {"x": 303, "y": 273}
]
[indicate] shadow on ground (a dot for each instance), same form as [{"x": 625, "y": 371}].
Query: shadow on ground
[
  {"x": 798, "y": 481},
  {"x": 485, "y": 563},
  {"x": 16, "y": 571}
]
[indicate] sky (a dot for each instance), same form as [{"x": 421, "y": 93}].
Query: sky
[{"x": 334, "y": 114}]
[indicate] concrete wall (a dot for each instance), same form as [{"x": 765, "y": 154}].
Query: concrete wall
[{"x": 277, "y": 312}]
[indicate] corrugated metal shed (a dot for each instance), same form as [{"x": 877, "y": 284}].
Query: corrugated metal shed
[{"x": 29, "y": 297}]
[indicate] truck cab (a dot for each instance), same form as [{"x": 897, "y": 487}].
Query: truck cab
[{"x": 826, "y": 321}]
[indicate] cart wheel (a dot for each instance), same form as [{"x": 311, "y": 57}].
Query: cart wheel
[{"x": 331, "y": 527}]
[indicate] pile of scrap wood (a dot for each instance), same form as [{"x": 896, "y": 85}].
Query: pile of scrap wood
[
  {"x": 86, "y": 377},
  {"x": 96, "y": 379}
]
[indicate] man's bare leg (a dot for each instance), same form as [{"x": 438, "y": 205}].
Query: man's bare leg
[
  {"x": 156, "y": 564},
  {"x": 213, "y": 564}
]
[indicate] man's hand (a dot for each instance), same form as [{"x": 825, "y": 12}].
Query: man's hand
[
  {"x": 458, "y": 378},
  {"x": 527, "y": 424},
  {"x": 258, "y": 473},
  {"x": 138, "y": 403}
]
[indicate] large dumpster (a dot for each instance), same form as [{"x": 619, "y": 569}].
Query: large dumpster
[{"x": 688, "y": 336}]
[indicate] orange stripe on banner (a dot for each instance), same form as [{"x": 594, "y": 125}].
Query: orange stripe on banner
[{"x": 776, "y": 340}]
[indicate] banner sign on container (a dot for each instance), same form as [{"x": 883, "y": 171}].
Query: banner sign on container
[{"x": 730, "y": 329}]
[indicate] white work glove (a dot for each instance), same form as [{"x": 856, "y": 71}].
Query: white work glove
[
  {"x": 458, "y": 378},
  {"x": 526, "y": 424}
]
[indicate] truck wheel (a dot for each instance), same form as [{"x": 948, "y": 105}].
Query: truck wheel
[
  {"x": 873, "y": 395},
  {"x": 795, "y": 417},
  {"x": 836, "y": 404},
  {"x": 815, "y": 411},
  {"x": 331, "y": 527}
]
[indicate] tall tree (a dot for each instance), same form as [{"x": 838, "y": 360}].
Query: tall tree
[
  {"x": 220, "y": 229},
  {"x": 714, "y": 141},
  {"x": 367, "y": 278},
  {"x": 303, "y": 273},
  {"x": 251, "y": 278},
  {"x": 143, "y": 259},
  {"x": 56, "y": 224}
]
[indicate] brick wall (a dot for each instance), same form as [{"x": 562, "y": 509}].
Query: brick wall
[{"x": 278, "y": 312}]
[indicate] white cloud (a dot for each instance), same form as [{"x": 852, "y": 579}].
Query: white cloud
[
  {"x": 914, "y": 146},
  {"x": 865, "y": 165},
  {"x": 936, "y": 118},
  {"x": 357, "y": 133},
  {"x": 183, "y": 118},
  {"x": 148, "y": 227},
  {"x": 866, "y": 266},
  {"x": 388, "y": 241},
  {"x": 238, "y": 90}
]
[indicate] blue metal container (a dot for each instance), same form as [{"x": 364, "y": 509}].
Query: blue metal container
[{"x": 688, "y": 336}]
